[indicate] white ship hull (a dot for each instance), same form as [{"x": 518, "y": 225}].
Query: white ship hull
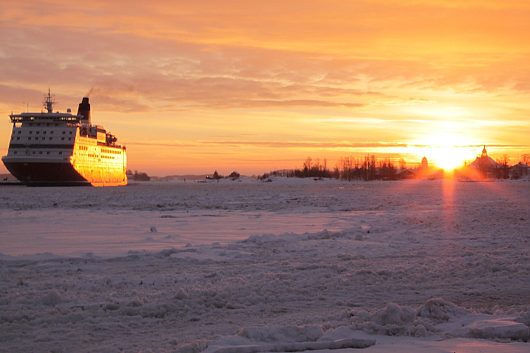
[{"x": 63, "y": 149}]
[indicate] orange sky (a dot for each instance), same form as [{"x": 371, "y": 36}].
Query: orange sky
[{"x": 192, "y": 86}]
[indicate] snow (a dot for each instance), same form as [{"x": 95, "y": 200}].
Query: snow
[
  {"x": 283, "y": 338},
  {"x": 440, "y": 309},
  {"x": 434, "y": 266},
  {"x": 499, "y": 328}
]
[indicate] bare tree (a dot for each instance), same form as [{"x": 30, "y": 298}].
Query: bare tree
[
  {"x": 504, "y": 170},
  {"x": 402, "y": 164}
]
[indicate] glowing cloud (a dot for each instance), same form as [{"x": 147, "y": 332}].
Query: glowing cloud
[{"x": 324, "y": 72}]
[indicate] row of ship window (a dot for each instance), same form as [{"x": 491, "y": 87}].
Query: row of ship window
[
  {"x": 60, "y": 153},
  {"x": 104, "y": 150},
  {"x": 100, "y": 156},
  {"x": 44, "y": 124},
  {"x": 44, "y": 132},
  {"x": 42, "y": 138},
  {"x": 40, "y": 152}
]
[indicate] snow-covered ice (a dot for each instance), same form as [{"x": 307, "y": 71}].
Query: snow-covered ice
[{"x": 430, "y": 266}]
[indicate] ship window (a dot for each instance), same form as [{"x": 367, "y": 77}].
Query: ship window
[
  {"x": 18, "y": 137},
  {"x": 30, "y": 132},
  {"x": 43, "y": 138},
  {"x": 19, "y": 131},
  {"x": 70, "y": 132},
  {"x": 62, "y": 138},
  {"x": 47, "y": 124},
  {"x": 33, "y": 152},
  {"x": 29, "y": 138},
  {"x": 69, "y": 139},
  {"x": 40, "y": 152},
  {"x": 50, "y": 138},
  {"x": 37, "y": 132},
  {"x": 64, "y": 132},
  {"x": 61, "y": 152},
  {"x": 44, "y": 132},
  {"x": 48, "y": 152},
  {"x": 51, "y": 132}
]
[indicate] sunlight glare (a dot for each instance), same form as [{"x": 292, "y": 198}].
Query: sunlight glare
[{"x": 448, "y": 147}]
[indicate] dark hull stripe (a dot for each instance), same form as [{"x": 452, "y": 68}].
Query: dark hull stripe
[
  {"x": 46, "y": 173},
  {"x": 65, "y": 174}
]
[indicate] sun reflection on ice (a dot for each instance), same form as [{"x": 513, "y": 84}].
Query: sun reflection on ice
[{"x": 448, "y": 194}]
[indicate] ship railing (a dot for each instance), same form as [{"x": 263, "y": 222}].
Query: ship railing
[
  {"x": 32, "y": 118},
  {"x": 114, "y": 145}
]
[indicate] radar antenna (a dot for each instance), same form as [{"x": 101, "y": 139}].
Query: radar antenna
[{"x": 48, "y": 103}]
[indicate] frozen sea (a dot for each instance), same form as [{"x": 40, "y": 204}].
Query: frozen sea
[{"x": 246, "y": 266}]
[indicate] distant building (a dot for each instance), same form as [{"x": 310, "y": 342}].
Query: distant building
[
  {"x": 424, "y": 163},
  {"x": 424, "y": 171},
  {"x": 485, "y": 164},
  {"x": 137, "y": 176},
  {"x": 519, "y": 170},
  {"x": 406, "y": 174}
]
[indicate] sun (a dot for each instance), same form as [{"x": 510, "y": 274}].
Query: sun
[
  {"x": 447, "y": 158},
  {"x": 448, "y": 150}
]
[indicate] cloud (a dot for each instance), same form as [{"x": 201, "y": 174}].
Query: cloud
[
  {"x": 274, "y": 144},
  {"x": 288, "y": 62},
  {"x": 198, "y": 55}
]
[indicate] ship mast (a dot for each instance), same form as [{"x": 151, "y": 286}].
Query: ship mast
[{"x": 48, "y": 103}]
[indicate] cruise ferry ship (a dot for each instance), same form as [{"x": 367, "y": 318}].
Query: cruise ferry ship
[{"x": 53, "y": 148}]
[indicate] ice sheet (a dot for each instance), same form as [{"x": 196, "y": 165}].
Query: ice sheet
[{"x": 365, "y": 256}]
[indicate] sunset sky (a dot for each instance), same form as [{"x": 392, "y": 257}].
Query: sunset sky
[{"x": 193, "y": 86}]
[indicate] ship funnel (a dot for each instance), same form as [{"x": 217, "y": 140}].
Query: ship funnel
[{"x": 84, "y": 110}]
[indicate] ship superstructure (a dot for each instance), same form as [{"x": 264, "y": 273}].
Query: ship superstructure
[{"x": 52, "y": 148}]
